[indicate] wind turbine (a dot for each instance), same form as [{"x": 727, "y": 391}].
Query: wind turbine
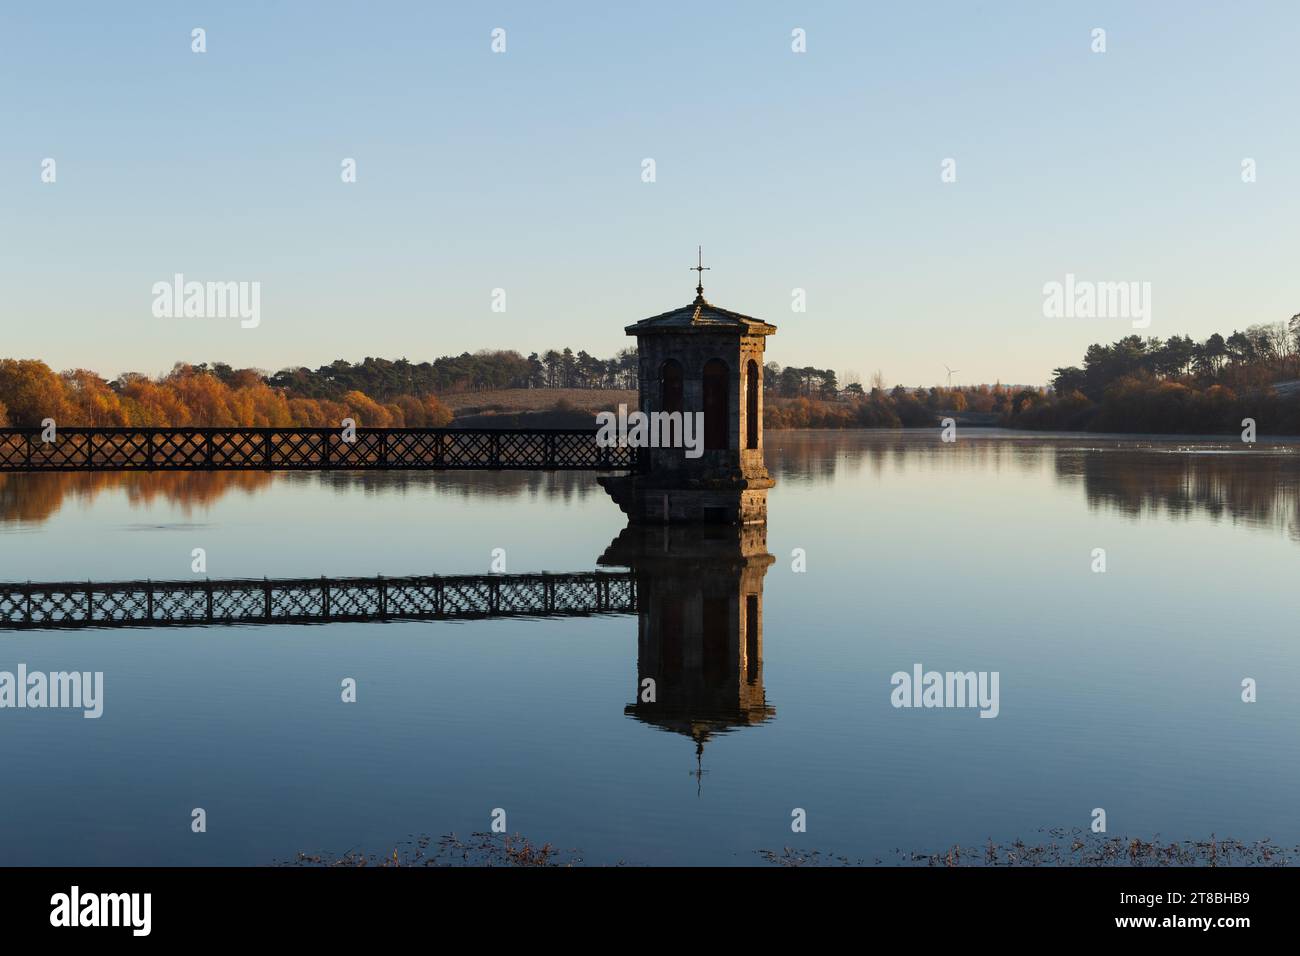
[{"x": 950, "y": 371}]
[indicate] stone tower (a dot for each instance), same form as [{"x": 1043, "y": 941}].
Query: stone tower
[{"x": 705, "y": 361}]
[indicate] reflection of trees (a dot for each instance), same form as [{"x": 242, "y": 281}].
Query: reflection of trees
[
  {"x": 553, "y": 485},
  {"x": 38, "y": 497},
  {"x": 819, "y": 456},
  {"x": 1259, "y": 488}
]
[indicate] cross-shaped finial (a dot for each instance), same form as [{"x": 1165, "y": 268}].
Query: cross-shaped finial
[
  {"x": 701, "y": 268},
  {"x": 699, "y": 767}
]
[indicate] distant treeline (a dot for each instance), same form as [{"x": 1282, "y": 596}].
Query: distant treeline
[
  {"x": 382, "y": 393},
  {"x": 193, "y": 395},
  {"x": 385, "y": 379},
  {"x": 489, "y": 370},
  {"x": 374, "y": 392},
  {"x": 1177, "y": 385},
  {"x": 897, "y": 407},
  {"x": 1136, "y": 384}
]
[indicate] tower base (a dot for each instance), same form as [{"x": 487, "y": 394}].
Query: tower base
[{"x": 646, "y": 501}]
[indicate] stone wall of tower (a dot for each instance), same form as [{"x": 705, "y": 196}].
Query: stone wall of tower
[
  {"x": 752, "y": 463},
  {"x": 692, "y": 352}
]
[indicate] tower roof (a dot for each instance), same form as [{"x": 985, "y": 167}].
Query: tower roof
[{"x": 701, "y": 316}]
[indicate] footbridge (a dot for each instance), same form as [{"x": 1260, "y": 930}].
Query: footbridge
[
  {"x": 63, "y": 605},
  {"x": 315, "y": 449}
]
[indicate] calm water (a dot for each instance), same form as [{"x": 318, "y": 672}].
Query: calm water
[{"x": 1118, "y": 690}]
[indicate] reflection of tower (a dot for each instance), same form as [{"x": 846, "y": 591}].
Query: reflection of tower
[
  {"x": 700, "y": 625},
  {"x": 704, "y": 362}
]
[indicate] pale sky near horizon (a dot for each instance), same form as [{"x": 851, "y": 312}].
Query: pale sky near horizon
[{"x": 523, "y": 171}]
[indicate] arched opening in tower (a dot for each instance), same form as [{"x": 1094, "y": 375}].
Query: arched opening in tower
[
  {"x": 751, "y": 404},
  {"x": 715, "y": 405}
]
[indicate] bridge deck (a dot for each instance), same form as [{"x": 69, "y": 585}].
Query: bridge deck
[
  {"x": 61, "y": 605},
  {"x": 273, "y": 449}
]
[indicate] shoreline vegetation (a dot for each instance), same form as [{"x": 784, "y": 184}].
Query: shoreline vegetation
[
  {"x": 197, "y": 395},
  {"x": 477, "y": 850},
  {"x": 1057, "y": 847},
  {"x": 383, "y": 394},
  {"x": 1174, "y": 386},
  {"x": 1136, "y": 385},
  {"x": 1062, "y": 847}
]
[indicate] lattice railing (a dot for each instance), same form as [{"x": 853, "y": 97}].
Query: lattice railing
[
  {"x": 35, "y": 605},
  {"x": 212, "y": 449}
]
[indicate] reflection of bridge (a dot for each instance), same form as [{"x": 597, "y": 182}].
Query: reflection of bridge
[
  {"x": 315, "y": 600},
  {"x": 267, "y": 449},
  {"x": 697, "y": 594}
]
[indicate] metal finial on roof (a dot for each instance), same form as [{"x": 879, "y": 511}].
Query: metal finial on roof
[
  {"x": 701, "y": 268},
  {"x": 699, "y": 767}
]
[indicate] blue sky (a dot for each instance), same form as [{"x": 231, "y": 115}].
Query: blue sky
[{"x": 522, "y": 171}]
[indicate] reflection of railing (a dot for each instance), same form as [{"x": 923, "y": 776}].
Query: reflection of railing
[
  {"x": 314, "y": 600},
  {"x": 210, "y": 449}
]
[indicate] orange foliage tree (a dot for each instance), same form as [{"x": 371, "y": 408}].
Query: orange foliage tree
[{"x": 31, "y": 392}]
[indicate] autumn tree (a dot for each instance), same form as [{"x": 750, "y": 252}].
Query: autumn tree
[
  {"x": 365, "y": 411},
  {"x": 32, "y": 392}
]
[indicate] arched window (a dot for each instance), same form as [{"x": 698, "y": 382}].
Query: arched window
[
  {"x": 751, "y": 404},
  {"x": 670, "y": 386},
  {"x": 715, "y": 405}
]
